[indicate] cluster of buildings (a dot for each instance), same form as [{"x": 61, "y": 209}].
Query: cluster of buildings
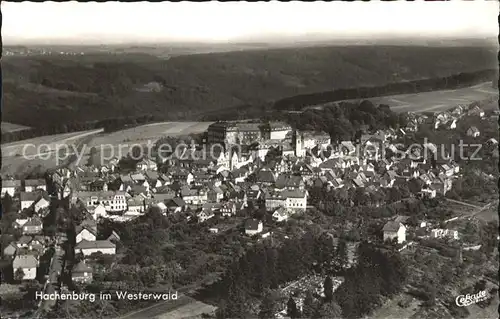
[
  {"x": 448, "y": 120},
  {"x": 396, "y": 230},
  {"x": 222, "y": 182}
]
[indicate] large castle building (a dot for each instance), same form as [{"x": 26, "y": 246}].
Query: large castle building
[{"x": 240, "y": 132}]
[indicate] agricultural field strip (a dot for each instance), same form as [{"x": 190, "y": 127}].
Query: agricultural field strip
[
  {"x": 14, "y": 148},
  {"x": 434, "y": 100}
]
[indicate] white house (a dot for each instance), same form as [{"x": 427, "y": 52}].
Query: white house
[
  {"x": 278, "y": 130},
  {"x": 82, "y": 272},
  {"x": 295, "y": 200},
  {"x": 19, "y": 223},
  {"x": 85, "y": 233},
  {"x": 10, "y": 187},
  {"x": 112, "y": 201},
  {"x": 89, "y": 247},
  {"x": 147, "y": 164},
  {"x": 473, "y": 131},
  {"x": 136, "y": 204},
  {"x": 393, "y": 230},
  {"x": 34, "y": 225},
  {"x": 444, "y": 233},
  {"x": 31, "y": 185},
  {"x": 253, "y": 227},
  {"x": 27, "y": 263},
  {"x": 99, "y": 211},
  {"x": 280, "y": 215},
  {"x": 205, "y": 215},
  {"x": 41, "y": 203},
  {"x": 428, "y": 192},
  {"x": 289, "y": 199},
  {"x": 453, "y": 124}
]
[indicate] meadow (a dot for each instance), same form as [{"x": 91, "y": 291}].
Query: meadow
[
  {"x": 24, "y": 156},
  {"x": 439, "y": 100},
  {"x": 112, "y": 144},
  {"x": 435, "y": 101}
]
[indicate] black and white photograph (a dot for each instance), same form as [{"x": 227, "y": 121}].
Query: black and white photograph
[{"x": 250, "y": 160}]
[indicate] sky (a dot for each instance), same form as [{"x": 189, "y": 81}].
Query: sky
[{"x": 116, "y": 22}]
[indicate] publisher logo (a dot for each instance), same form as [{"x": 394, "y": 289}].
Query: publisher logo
[{"x": 469, "y": 299}]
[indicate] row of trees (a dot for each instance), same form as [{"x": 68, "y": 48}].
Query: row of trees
[{"x": 343, "y": 120}]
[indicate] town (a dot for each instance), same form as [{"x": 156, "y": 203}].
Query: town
[{"x": 176, "y": 220}]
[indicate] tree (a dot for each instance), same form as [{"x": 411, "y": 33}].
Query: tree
[
  {"x": 19, "y": 274},
  {"x": 7, "y": 203},
  {"x": 291, "y": 309},
  {"x": 328, "y": 310},
  {"x": 341, "y": 258},
  {"x": 328, "y": 287},
  {"x": 236, "y": 304},
  {"x": 268, "y": 307},
  {"x": 308, "y": 306}
]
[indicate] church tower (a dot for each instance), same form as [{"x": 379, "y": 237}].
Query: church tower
[{"x": 298, "y": 140}]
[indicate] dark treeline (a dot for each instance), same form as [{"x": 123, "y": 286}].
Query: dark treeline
[
  {"x": 344, "y": 120},
  {"x": 109, "y": 125},
  {"x": 416, "y": 86}
]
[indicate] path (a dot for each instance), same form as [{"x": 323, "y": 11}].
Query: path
[
  {"x": 159, "y": 308},
  {"x": 478, "y": 209},
  {"x": 463, "y": 203}
]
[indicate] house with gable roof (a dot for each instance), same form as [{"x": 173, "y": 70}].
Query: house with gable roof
[
  {"x": 31, "y": 185},
  {"x": 394, "y": 230},
  {"x": 34, "y": 225},
  {"x": 85, "y": 233},
  {"x": 10, "y": 187},
  {"x": 281, "y": 214},
  {"x": 473, "y": 131},
  {"x": 82, "y": 273},
  {"x": 28, "y": 263},
  {"x": 89, "y": 247},
  {"x": 253, "y": 227}
]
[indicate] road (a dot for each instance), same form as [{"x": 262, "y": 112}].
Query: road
[
  {"x": 159, "y": 308},
  {"x": 463, "y": 203},
  {"x": 56, "y": 266}
]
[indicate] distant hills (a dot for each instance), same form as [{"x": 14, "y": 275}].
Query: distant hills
[{"x": 45, "y": 90}]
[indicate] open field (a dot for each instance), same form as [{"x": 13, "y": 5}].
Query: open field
[
  {"x": 438, "y": 100},
  {"x": 11, "y": 127},
  {"x": 50, "y": 141},
  {"x": 112, "y": 144},
  {"x": 118, "y": 144},
  {"x": 150, "y": 132},
  {"x": 434, "y": 101},
  {"x": 490, "y": 214},
  {"x": 13, "y": 161}
]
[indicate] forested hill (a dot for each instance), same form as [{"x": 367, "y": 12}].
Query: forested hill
[{"x": 52, "y": 90}]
